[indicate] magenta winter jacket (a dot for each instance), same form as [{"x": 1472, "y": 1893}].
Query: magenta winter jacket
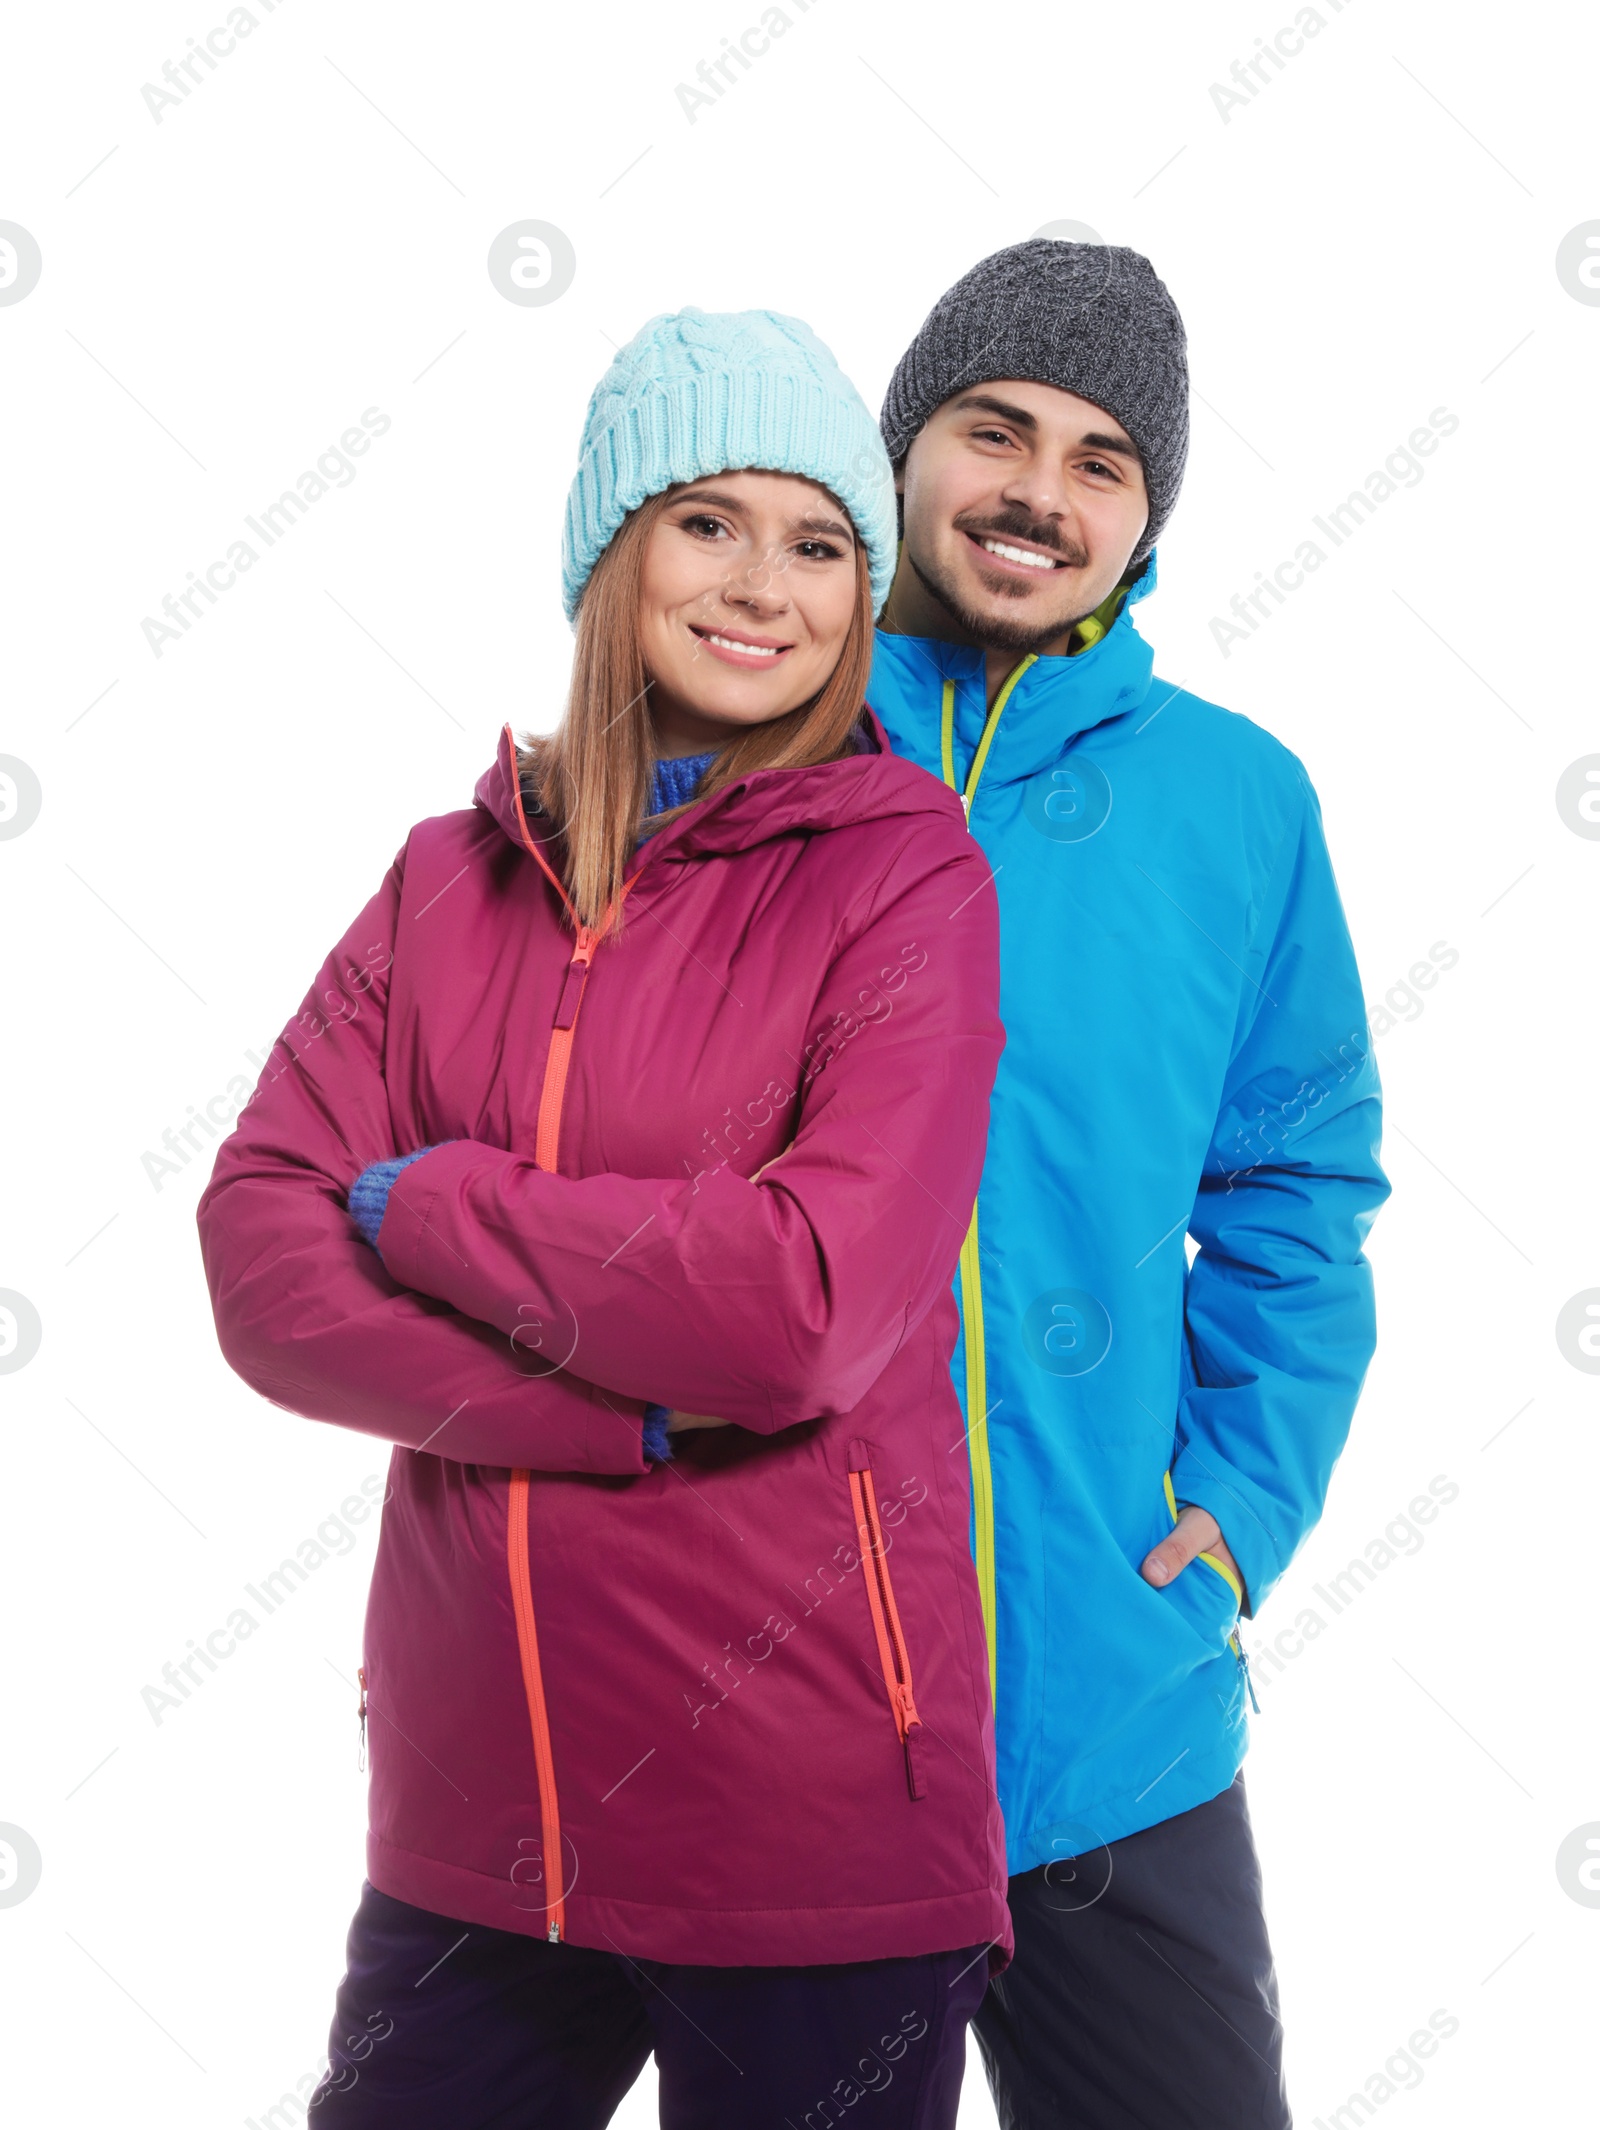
[{"x": 731, "y": 1709}]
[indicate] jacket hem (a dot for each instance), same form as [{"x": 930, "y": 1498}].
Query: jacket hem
[
  {"x": 1131, "y": 1813},
  {"x": 703, "y": 1937}
]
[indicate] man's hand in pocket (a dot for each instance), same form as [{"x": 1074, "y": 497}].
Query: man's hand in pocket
[{"x": 1196, "y": 1531}]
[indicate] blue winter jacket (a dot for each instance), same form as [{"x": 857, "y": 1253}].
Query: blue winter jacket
[{"x": 1186, "y": 1054}]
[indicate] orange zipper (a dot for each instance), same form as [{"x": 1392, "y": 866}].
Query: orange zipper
[
  {"x": 548, "y": 1134},
  {"x": 547, "y": 1141},
  {"x": 893, "y": 1655}
]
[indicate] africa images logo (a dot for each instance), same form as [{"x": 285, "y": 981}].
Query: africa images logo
[{"x": 1067, "y": 1332}]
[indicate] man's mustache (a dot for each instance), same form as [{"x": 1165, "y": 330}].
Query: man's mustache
[{"x": 1017, "y": 525}]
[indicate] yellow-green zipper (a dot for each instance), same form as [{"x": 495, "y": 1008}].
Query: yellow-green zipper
[
  {"x": 977, "y": 1432},
  {"x": 1218, "y": 1567},
  {"x": 971, "y": 1278}
]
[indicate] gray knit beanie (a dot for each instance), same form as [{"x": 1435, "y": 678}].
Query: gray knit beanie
[{"x": 1091, "y": 318}]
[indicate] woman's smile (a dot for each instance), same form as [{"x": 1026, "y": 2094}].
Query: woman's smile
[{"x": 736, "y": 648}]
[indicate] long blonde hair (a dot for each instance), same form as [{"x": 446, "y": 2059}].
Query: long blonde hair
[{"x": 592, "y": 774}]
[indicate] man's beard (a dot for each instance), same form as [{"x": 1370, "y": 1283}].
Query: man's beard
[{"x": 989, "y": 631}]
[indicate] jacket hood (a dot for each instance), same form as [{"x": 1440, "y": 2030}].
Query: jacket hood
[
  {"x": 764, "y": 803},
  {"x": 1054, "y": 701}
]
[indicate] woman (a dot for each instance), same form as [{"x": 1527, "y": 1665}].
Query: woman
[{"x": 616, "y": 1169}]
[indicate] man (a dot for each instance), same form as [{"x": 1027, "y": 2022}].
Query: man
[{"x": 1150, "y": 1438}]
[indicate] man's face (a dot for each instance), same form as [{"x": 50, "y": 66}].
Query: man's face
[{"x": 1022, "y": 506}]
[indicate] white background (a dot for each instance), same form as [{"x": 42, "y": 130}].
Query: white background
[{"x": 304, "y": 236}]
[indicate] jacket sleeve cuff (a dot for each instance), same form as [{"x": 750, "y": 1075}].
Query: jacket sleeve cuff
[
  {"x": 404, "y": 1219},
  {"x": 614, "y": 1442}
]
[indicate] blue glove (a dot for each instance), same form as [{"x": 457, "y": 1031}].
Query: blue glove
[
  {"x": 656, "y": 1445},
  {"x": 369, "y": 1194}
]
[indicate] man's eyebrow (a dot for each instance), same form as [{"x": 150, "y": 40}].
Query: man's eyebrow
[
  {"x": 983, "y": 403},
  {"x": 1020, "y": 418},
  {"x": 1097, "y": 440}
]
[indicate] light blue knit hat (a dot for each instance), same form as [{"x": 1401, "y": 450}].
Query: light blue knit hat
[{"x": 695, "y": 393}]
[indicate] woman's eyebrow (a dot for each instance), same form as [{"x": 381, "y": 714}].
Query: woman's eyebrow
[
  {"x": 714, "y": 496},
  {"x": 808, "y": 521},
  {"x": 821, "y": 525}
]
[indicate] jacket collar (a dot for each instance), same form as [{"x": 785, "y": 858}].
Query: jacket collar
[
  {"x": 1053, "y": 702},
  {"x": 873, "y": 784}
]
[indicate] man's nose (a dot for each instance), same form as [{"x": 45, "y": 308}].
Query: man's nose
[{"x": 1042, "y": 492}]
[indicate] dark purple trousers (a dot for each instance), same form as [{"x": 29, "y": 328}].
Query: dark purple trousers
[{"x": 443, "y": 2025}]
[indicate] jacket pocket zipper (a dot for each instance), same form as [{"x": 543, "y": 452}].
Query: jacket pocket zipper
[
  {"x": 1235, "y": 1640},
  {"x": 893, "y": 1655},
  {"x": 1244, "y": 1670},
  {"x": 361, "y": 1719}
]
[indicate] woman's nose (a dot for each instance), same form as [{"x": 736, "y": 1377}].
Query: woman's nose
[{"x": 760, "y": 584}]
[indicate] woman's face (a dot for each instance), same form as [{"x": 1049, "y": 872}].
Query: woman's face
[{"x": 746, "y": 596}]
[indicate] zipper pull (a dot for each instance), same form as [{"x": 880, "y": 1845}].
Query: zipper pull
[
  {"x": 966, "y": 807},
  {"x": 572, "y": 991},
  {"x": 553, "y": 1934},
  {"x": 910, "y": 1723},
  {"x": 1244, "y": 1666},
  {"x": 577, "y": 971},
  {"x": 361, "y": 1718},
  {"x": 911, "y": 1741}
]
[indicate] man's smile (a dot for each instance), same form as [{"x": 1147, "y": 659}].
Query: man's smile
[{"x": 1013, "y": 556}]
